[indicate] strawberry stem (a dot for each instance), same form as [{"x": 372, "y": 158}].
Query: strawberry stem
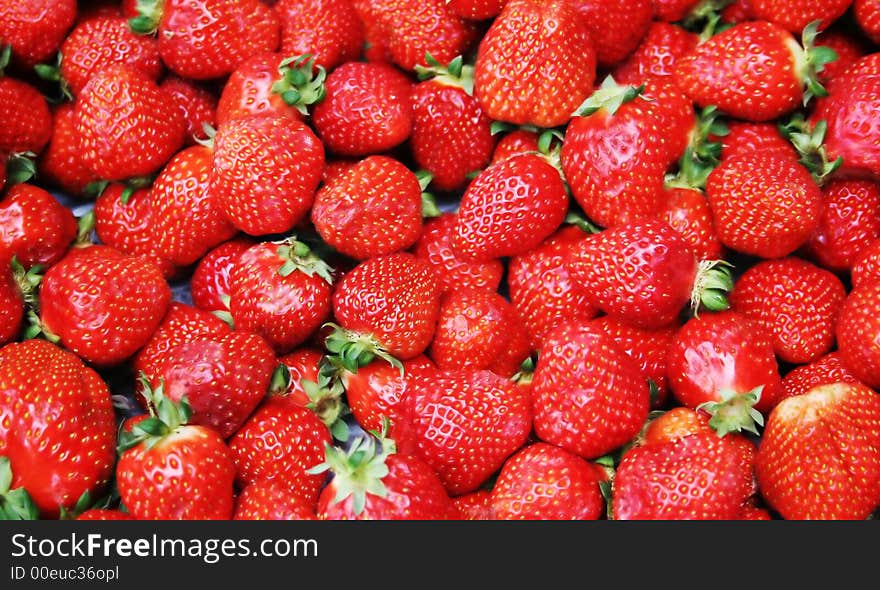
[
  {"x": 300, "y": 84},
  {"x": 20, "y": 167},
  {"x": 735, "y": 412},
  {"x": 455, "y": 74},
  {"x": 297, "y": 256},
  {"x": 712, "y": 282},
  {"x": 810, "y": 146},
  {"x": 815, "y": 60},
  {"x": 15, "y": 504},
  {"x": 166, "y": 416},
  {"x": 149, "y": 15},
  {"x": 353, "y": 350},
  {"x": 610, "y": 96}
]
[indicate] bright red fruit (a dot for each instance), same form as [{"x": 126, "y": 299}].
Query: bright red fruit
[
  {"x": 656, "y": 54},
  {"x": 209, "y": 283},
  {"x": 27, "y": 120},
  {"x": 824, "y": 370},
  {"x": 867, "y": 15},
  {"x": 687, "y": 211},
  {"x": 34, "y": 226},
  {"x": 794, "y": 15},
  {"x": 858, "y": 333},
  {"x": 269, "y": 499},
  {"x": 11, "y": 302},
  {"x": 60, "y": 164},
  {"x": 196, "y": 101},
  {"x": 35, "y": 28},
  {"x": 328, "y": 30},
  {"x": 616, "y": 27}
]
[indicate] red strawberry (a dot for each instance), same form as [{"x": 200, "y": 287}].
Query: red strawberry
[
  {"x": 737, "y": 12},
  {"x": 866, "y": 267},
  {"x": 169, "y": 469},
  {"x": 476, "y": 9},
  {"x": 687, "y": 211},
  {"x": 269, "y": 499},
  {"x": 35, "y": 28},
  {"x": 476, "y": 505},
  {"x": 27, "y": 121},
  {"x": 763, "y": 204},
  {"x": 478, "y": 329},
  {"x": 644, "y": 274},
  {"x": 60, "y": 164},
  {"x": 658, "y": 51},
  {"x": 282, "y": 291},
  {"x": 509, "y": 208},
  {"x": 616, "y": 28},
  {"x": 824, "y": 370},
  {"x": 541, "y": 288},
  {"x": 535, "y": 64},
  {"x": 266, "y": 171},
  {"x": 187, "y": 221},
  {"x": 451, "y": 135},
  {"x": 673, "y": 10},
  {"x": 367, "y": 109},
  {"x": 102, "y": 304},
  {"x": 794, "y": 15},
  {"x": 303, "y": 364},
  {"x": 465, "y": 424},
  {"x": 858, "y": 333},
  {"x": 197, "y": 103},
  {"x": 817, "y": 458},
  {"x": 390, "y": 302},
  {"x": 673, "y": 424},
  {"x": 37, "y": 228},
  {"x": 588, "y": 396},
  {"x": 867, "y": 16},
  {"x": 57, "y": 426},
  {"x": 209, "y": 283},
  {"x": 98, "y": 42},
  {"x": 208, "y": 39},
  {"x": 545, "y": 482},
  {"x": 515, "y": 142},
  {"x": 848, "y": 47},
  {"x": 435, "y": 247},
  {"x": 328, "y": 30},
  {"x": 371, "y": 483},
  {"x": 104, "y": 514},
  {"x": 746, "y": 137},
  {"x": 795, "y": 301},
  {"x": 755, "y": 70},
  {"x": 11, "y": 301},
  {"x": 126, "y": 126},
  {"x": 724, "y": 364},
  {"x": 372, "y": 208}
]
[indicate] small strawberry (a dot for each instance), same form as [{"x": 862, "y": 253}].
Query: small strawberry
[
  {"x": 616, "y": 28},
  {"x": 794, "y": 15},
  {"x": 545, "y": 482},
  {"x": 476, "y": 505},
  {"x": 27, "y": 120},
  {"x": 656, "y": 54},
  {"x": 795, "y": 301},
  {"x": 282, "y": 291},
  {"x": 35, "y": 28},
  {"x": 169, "y": 469},
  {"x": 588, "y": 396},
  {"x": 867, "y": 17},
  {"x": 58, "y": 427},
  {"x": 269, "y": 499},
  {"x": 516, "y": 141},
  {"x": 367, "y": 109},
  {"x": 817, "y": 458},
  {"x": 535, "y": 64},
  {"x": 37, "y": 228},
  {"x": 197, "y": 102},
  {"x": 687, "y": 211},
  {"x": 266, "y": 170},
  {"x": 824, "y": 370},
  {"x": 209, "y": 283},
  {"x": 858, "y": 333},
  {"x": 329, "y": 30},
  {"x": 60, "y": 164},
  {"x": 673, "y": 424}
]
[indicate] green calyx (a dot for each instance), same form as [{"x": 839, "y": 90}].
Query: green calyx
[
  {"x": 326, "y": 395},
  {"x": 712, "y": 283},
  {"x": 525, "y": 373},
  {"x": 52, "y": 73},
  {"x": 300, "y": 83},
  {"x": 702, "y": 154},
  {"x": 429, "y": 201},
  {"x": 298, "y": 257},
  {"x": 149, "y": 15},
  {"x": 166, "y": 416},
  {"x": 28, "y": 282},
  {"x": 735, "y": 412},
  {"x": 810, "y": 146},
  {"x": 455, "y": 74},
  {"x": 585, "y": 225},
  {"x": 5, "y": 57},
  {"x": 610, "y": 96},
  {"x": 352, "y": 350},
  {"x": 15, "y": 504},
  {"x": 20, "y": 167},
  {"x": 814, "y": 62}
]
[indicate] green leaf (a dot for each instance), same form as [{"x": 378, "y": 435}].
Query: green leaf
[
  {"x": 18, "y": 505},
  {"x": 5, "y": 476}
]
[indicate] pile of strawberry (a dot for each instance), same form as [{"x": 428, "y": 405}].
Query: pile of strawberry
[{"x": 650, "y": 290}]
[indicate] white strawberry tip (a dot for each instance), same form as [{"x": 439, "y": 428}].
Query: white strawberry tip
[
  {"x": 735, "y": 412},
  {"x": 712, "y": 281}
]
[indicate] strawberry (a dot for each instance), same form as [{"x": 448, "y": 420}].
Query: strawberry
[
  {"x": 857, "y": 333},
  {"x": 699, "y": 476},
  {"x": 673, "y": 10},
  {"x": 208, "y": 38},
  {"x": 476, "y": 9},
  {"x": 817, "y": 458},
  {"x": 373, "y": 482},
  {"x": 535, "y": 64},
  {"x": 102, "y": 304},
  {"x": 478, "y": 329},
  {"x": 745, "y": 137},
  {"x": 724, "y": 363},
  {"x": 169, "y": 469},
  {"x": 476, "y": 505},
  {"x": 867, "y": 17},
  {"x": 509, "y": 208},
  {"x": 588, "y": 396},
  {"x": 616, "y": 28},
  {"x": 451, "y": 135},
  {"x": 763, "y": 204},
  {"x": 687, "y": 211},
  {"x": 644, "y": 274},
  {"x": 282, "y": 291},
  {"x": 656, "y": 54},
  {"x": 27, "y": 120},
  {"x": 673, "y": 424},
  {"x": 34, "y": 29},
  {"x": 269, "y": 499},
  {"x": 794, "y": 15},
  {"x": 388, "y": 303},
  {"x": 848, "y": 47},
  {"x": 11, "y": 301},
  {"x": 367, "y": 109},
  {"x": 517, "y": 141},
  {"x": 824, "y": 370},
  {"x": 545, "y": 482},
  {"x": 329, "y": 30},
  {"x": 866, "y": 267},
  {"x": 60, "y": 164},
  {"x": 223, "y": 378},
  {"x": 126, "y": 126},
  {"x": 434, "y": 246},
  {"x": 58, "y": 428},
  {"x": 302, "y": 364},
  {"x": 187, "y": 221},
  {"x": 372, "y": 208},
  {"x": 197, "y": 103},
  {"x": 271, "y": 82},
  {"x": 795, "y": 301},
  {"x": 96, "y": 43},
  {"x": 755, "y": 70},
  {"x": 104, "y": 514},
  {"x": 37, "y": 228},
  {"x": 209, "y": 283},
  {"x": 266, "y": 170}
]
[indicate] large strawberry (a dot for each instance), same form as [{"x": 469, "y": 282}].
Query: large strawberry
[
  {"x": 265, "y": 173},
  {"x": 57, "y": 426},
  {"x": 588, "y": 396},
  {"x": 169, "y": 469},
  {"x": 126, "y": 126},
  {"x": 36, "y": 227},
  {"x": 102, "y": 304},
  {"x": 328, "y": 30},
  {"x": 794, "y": 15},
  {"x": 818, "y": 454},
  {"x": 282, "y": 291},
  {"x": 34, "y": 29},
  {"x": 616, "y": 28},
  {"x": 857, "y": 333},
  {"x": 535, "y": 64},
  {"x": 208, "y": 38}
]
